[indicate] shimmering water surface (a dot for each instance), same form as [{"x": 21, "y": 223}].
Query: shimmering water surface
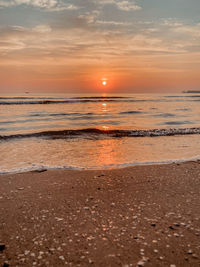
[{"x": 97, "y": 131}]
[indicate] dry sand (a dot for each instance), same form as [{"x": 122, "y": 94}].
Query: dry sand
[{"x": 138, "y": 216}]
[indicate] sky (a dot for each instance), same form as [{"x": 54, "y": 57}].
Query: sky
[{"x": 73, "y": 45}]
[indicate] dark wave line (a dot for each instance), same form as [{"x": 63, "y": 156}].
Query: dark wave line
[
  {"x": 181, "y": 96},
  {"x": 75, "y": 101},
  {"x": 78, "y": 97},
  {"x": 25, "y": 97},
  {"x": 43, "y": 102},
  {"x": 131, "y": 112},
  {"x": 101, "y": 97},
  {"x": 46, "y": 102},
  {"x": 62, "y": 114},
  {"x": 97, "y": 133},
  {"x": 87, "y": 98}
]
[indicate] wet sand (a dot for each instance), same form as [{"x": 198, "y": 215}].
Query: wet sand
[{"x": 137, "y": 216}]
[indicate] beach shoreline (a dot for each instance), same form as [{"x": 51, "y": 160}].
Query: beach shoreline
[
  {"x": 43, "y": 168},
  {"x": 144, "y": 215}
]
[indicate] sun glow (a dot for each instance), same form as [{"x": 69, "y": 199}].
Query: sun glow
[{"x": 104, "y": 81}]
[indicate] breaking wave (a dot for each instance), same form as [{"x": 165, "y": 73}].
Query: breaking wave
[
  {"x": 94, "y": 133},
  {"x": 76, "y": 100}
]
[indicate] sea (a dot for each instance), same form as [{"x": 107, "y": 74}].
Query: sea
[{"x": 97, "y": 131}]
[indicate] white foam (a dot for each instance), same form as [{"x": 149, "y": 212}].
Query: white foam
[{"x": 104, "y": 167}]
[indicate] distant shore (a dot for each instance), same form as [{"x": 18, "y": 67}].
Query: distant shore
[
  {"x": 192, "y": 92},
  {"x": 136, "y": 216}
]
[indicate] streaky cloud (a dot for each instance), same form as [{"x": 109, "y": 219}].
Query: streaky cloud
[{"x": 49, "y": 5}]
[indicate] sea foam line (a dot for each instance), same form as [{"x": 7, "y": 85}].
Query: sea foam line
[{"x": 43, "y": 168}]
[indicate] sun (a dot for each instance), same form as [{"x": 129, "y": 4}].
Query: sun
[{"x": 104, "y": 81}]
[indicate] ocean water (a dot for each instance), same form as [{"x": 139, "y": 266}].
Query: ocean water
[{"x": 91, "y": 131}]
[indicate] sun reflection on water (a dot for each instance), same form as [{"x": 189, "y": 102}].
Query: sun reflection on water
[
  {"x": 107, "y": 153},
  {"x": 105, "y": 127}
]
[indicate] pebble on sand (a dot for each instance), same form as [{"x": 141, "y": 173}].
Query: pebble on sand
[{"x": 61, "y": 258}]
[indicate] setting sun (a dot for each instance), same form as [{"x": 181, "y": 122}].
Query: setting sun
[{"x": 104, "y": 83}]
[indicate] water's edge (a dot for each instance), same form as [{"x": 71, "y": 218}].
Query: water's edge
[{"x": 42, "y": 168}]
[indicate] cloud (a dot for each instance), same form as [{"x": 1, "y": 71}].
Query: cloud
[
  {"x": 112, "y": 23},
  {"x": 103, "y": 42},
  {"x": 64, "y": 44},
  {"x": 50, "y": 5},
  {"x": 180, "y": 27},
  {"x": 89, "y": 17},
  {"x": 42, "y": 28},
  {"x": 125, "y": 5}
]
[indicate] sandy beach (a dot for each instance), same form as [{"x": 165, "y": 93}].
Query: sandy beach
[{"x": 137, "y": 216}]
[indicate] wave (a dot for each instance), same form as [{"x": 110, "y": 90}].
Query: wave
[
  {"x": 62, "y": 114},
  {"x": 46, "y": 102},
  {"x": 97, "y": 133},
  {"x": 178, "y": 122},
  {"x": 78, "y": 97},
  {"x": 164, "y": 115},
  {"x": 26, "y": 97},
  {"x": 100, "y": 97},
  {"x": 75, "y": 101},
  {"x": 38, "y": 102},
  {"x": 182, "y": 96},
  {"x": 131, "y": 112},
  {"x": 94, "y": 100},
  {"x": 43, "y": 168}
]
